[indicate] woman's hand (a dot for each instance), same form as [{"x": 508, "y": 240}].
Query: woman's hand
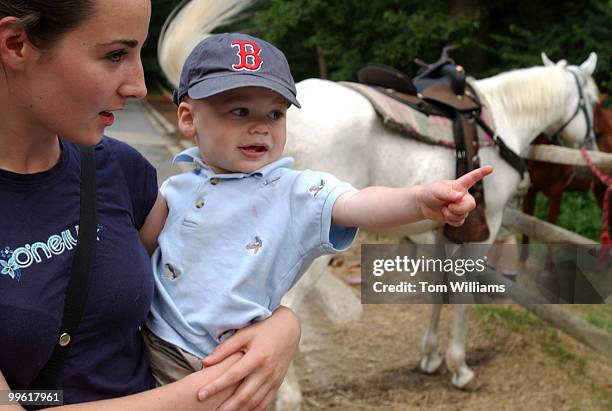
[{"x": 268, "y": 348}]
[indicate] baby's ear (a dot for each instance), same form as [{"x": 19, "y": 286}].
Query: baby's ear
[{"x": 185, "y": 119}]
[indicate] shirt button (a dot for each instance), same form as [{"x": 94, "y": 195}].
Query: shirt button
[
  {"x": 64, "y": 339},
  {"x": 199, "y": 203},
  {"x": 214, "y": 181}
]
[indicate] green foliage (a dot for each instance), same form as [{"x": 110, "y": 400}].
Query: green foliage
[
  {"x": 160, "y": 11},
  {"x": 579, "y": 213},
  {"x": 493, "y": 36},
  {"x": 563, "y": 29},
  {"x": 347, "y": 35}
]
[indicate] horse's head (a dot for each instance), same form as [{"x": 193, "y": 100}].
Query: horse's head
[{"x": 575, "y": 128}]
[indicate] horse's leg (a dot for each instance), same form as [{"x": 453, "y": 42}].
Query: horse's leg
[
  {"x": 431, "y": 360},
  {"x": 455, "y": 354},
  {"x": 554, "y": 203},
  {"x": 528, "y": 208}
]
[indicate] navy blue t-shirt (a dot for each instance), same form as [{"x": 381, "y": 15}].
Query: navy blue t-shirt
[{"x": 39, "y": 217}]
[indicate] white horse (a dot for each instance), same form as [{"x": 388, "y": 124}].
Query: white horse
[{"x": 337, "y": 130}]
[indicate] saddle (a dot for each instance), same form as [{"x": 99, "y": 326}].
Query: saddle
[{"x": 440, "y": 89}]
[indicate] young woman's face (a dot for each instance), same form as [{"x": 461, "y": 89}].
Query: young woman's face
[{"x": 73, "y": 88}]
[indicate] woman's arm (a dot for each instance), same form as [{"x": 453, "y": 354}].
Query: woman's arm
[
  {"x": 180, "y": 395},
  {"x": 4, "y": 386},
  {"x": 269, "y": 347}
]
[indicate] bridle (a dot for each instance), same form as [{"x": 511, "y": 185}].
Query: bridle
[{"x": 589, "y": 138}]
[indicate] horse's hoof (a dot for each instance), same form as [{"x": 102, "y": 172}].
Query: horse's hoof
[
  {"x": 463, "y": 378},
  {"x": 431, "y": 363}
]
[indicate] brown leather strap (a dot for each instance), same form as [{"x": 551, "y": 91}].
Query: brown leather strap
[{"x": 475, "y": 227}]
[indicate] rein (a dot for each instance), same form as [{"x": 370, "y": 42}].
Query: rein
[
  {"x": 607, "y": 181},
  {"x": 589, "y": 138}
]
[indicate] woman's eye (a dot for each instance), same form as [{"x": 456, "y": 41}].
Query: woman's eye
[
  {"x": 276, "y": 115},
  {"x": 240, "y": 112},
  {"x": 116, "y": 56}
]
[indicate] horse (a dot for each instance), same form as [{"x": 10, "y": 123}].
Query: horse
[
  {"x": 554, "y": 179},
  {"x": 337, "y": 130}
]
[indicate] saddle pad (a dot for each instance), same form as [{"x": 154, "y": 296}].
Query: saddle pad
[{"x": 412, "y": 123}]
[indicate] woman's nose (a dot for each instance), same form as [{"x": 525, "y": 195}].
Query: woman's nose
[{"x": 134, "y": 85}]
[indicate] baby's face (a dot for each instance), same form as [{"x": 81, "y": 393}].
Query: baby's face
[{"x": 241, "y": 130}]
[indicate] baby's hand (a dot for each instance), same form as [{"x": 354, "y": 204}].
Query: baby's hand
[{"x": 449, "y": 200}]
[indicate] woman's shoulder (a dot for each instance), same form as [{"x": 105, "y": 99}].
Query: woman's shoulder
[
  {"x": 112, "y": 149},
  {"x": 120, "y": 150},
  {"x": 117, "y": 157}
]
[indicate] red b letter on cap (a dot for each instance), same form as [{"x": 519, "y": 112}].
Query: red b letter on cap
[{"x": 248, "y": 51}]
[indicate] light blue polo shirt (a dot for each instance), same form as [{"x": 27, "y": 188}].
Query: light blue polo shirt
[{"x": 233, "y": 245}]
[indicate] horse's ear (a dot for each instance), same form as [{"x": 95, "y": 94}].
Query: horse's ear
[
  {"x": 562, "y": 63},
  {"x": 589, "y": 64},
  {"x": 546, "y": 60}
]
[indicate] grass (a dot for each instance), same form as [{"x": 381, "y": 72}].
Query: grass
[
  {"x": 600, "y": 315},
  {"x": 579, "y": 213},
  {"x": 522, "y": 321},
  {"x": 516, "y": 320}
]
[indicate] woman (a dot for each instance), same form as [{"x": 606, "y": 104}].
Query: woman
[{"x": 66, "y": 66}]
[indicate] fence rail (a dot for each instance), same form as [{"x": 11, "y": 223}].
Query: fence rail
[{"x": 568, "y": 156}]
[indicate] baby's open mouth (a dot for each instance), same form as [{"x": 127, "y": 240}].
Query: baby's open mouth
[{"x": 254, "y": 148}]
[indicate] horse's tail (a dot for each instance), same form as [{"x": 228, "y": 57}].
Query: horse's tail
[{"x": 189, "y": 23}]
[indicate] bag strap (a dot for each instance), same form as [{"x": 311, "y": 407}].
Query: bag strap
[{"x": 80, "y": 277}]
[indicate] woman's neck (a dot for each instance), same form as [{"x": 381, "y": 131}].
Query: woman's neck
[{"x": 25, "y": 150}]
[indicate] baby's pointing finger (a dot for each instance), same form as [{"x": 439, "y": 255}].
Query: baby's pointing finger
[{"x": 466, "y": 181}]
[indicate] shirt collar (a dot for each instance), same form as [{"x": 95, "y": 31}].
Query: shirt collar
[{"x": 192, "y": 156}]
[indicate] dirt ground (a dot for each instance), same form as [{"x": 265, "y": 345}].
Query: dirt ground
[{"x": 373, "y": 364}]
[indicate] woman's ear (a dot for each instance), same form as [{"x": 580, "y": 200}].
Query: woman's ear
[
  {"x": 185, "y": 119},
  {"x": 13, "y": 43}
]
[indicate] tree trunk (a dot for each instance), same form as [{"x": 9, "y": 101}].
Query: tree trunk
[
  {"x": 474, "y": 58},
  {"x": 323, "y": 71}
]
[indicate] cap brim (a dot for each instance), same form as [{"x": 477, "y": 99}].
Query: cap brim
[{"x": 215, "y": 85}]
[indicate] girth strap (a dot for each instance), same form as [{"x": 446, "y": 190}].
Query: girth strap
[{"x": 475, "y": 227}]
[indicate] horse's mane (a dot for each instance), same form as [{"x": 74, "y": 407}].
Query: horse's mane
[
  {"x": 532, "y": 96},
  {"x": 189, "y": 24}
]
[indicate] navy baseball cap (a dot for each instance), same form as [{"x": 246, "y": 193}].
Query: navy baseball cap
[{"x": 223, "y": 62}]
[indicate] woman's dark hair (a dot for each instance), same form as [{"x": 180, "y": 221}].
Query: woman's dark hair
[{"x": 46, "y": 21}]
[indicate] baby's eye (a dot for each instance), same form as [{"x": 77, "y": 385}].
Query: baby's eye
[
  {"x": 116, "y": 56},
  {"x": 276, "y": 115},
  {"x": 240, "y": 112}
]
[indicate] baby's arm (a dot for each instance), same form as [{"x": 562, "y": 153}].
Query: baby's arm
[
  {"x": 385, "y": 207},
  {"x": 154, "y": 223}
]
